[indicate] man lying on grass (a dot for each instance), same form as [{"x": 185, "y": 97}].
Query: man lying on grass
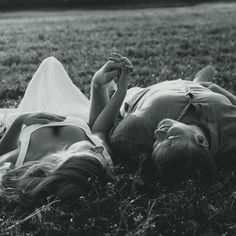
[{"x": 184, "y": 128}]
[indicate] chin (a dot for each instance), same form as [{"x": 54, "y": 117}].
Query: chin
[{"x": 167, "y": 121}]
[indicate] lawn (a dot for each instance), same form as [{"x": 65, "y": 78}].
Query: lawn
[{"x": 166, "y": 43}]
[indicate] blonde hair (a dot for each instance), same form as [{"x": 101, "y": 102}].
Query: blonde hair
[{"x": 63, "y": 174}]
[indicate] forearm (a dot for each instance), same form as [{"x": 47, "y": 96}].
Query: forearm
[
  {"x": 9, "y": 141},
  {"x": 103, "y": 110},
  {"x": 229, "y": 95},
  {"x": 217, "y": 89},
  {"x": 99, "y": 98},
  {"x": 107, "y": 117},
  {"x": 9, "y": 156}
]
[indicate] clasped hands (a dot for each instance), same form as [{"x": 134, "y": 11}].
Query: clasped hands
[{"x": 116, "y": 67}]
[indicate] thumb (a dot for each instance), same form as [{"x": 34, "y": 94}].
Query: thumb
[
  {"x": 44, "y": 121},
  {"x": 112, "y": 75},
  {"x": 205, "y": 84},
  {"x": 41, "y": 121}
]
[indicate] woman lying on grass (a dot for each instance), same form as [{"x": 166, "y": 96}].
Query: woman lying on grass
[
  {"x": 54, "y": 154},
  {"x": 183, "y": 127}
]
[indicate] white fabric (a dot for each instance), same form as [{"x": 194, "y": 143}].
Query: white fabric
[
  {"x": 131, "y": 96},
  {"x": 50, "y": 90},
  {"x": 7, "y": 116}
]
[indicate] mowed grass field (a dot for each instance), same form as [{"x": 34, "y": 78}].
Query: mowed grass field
[{"x": 166, "y": 43}]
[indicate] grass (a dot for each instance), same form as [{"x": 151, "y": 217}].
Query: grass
[{"x": 163, "y": 44}]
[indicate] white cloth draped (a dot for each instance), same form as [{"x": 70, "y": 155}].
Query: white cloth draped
[{"x": 50, "y": 90}]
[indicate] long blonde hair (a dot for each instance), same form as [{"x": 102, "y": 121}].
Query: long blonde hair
[{"x": 63, "y": 174}]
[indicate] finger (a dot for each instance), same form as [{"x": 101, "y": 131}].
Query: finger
[
  {"x": 111, "y": 65},
  {"x": 127, "y": 62},
  {"x": 117, "y": 55},
  {"x": 50, "y": 116},
  {"x": 205, "y": 83},
  {"x": 130, "y": 68},
  {"x": 112, "y": 74},
  {"x": 31, "y": 121},
  {"x": 42, "y": 121},
  {"x": 114, "y": 59},
  {"x": 60, "y": 117},
  {"x": 120, "y": 59}
]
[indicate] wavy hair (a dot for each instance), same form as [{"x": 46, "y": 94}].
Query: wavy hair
[{"x": 63, "y": 174}]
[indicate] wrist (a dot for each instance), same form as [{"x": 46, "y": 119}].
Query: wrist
[
  {"x": 215, "y": 88},
  {"x": 20, "y": 119},
  {"x": 122, "y": 89},
  {"x": 121, "y": 92}
]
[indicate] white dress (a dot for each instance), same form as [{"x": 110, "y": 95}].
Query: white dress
[{"x": 50, "y": 90}]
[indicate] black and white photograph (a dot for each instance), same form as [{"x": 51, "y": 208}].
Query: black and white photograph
[{"x": 117, "y": 118}]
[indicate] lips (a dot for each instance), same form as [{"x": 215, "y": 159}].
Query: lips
[{"x": 161, "y": 133}]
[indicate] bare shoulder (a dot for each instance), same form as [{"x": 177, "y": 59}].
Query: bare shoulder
[{"x": 103, "y": 138}]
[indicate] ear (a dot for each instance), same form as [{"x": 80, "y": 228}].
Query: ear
[
  {"x": 202, "y": 141},
  {"x": 98, "y": 149}
]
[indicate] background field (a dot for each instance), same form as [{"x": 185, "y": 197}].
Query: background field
[
  {"x": 62, "y": 4},
  {"x": 163, "y": 44}
]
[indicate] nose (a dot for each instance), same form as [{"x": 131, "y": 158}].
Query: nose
[{"x": 160, "y": 135}]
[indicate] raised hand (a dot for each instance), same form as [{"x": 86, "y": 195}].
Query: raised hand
[
  {"x": 107, "y": 73},
  {"x": 111, "y": 70},
  {"x": 116, "y": 57},
  {"x": 101, "y": 102}
]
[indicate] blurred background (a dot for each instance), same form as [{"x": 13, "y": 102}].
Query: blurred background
[{"x": 34, "y": 4}]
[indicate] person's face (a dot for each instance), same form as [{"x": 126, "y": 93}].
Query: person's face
[{"x": 171, "y": 133}]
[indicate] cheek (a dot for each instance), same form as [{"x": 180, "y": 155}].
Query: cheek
[
  {"x": 155, "y": 154},
  {"x": 154, "y": 145}
]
